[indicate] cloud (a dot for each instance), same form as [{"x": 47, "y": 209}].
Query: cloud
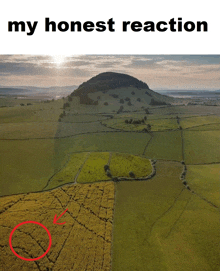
[{"x": 156, "y": 70}]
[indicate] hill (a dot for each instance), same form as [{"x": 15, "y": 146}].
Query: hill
[{"x": 122, "y": 87}]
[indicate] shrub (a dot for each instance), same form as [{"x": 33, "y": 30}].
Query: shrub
[
  {"x": 132, "y": 93},
  {"x": 129, "y": 103},
  {"x": 114, "y": 95},
  {"x": 106, "y": 167},
  {"x": 115, "y": 179},
  {"x": 121, "y": 101},
  {"x": 120, "y": 109},
  {"x": 139, "y": 99},
  {"x": 127, "y": 99},
  {"x": 66, "y": 105},
  {"x": 105, "y": 103},
  {"x": 131, "y": 174},
  {"x": 70, "y": 99},
  {"x": 188, "y": 187}
]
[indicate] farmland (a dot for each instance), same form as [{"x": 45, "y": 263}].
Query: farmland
[
  {"x": 83, "y": 243},
  {"x": 88, "y": 159}
]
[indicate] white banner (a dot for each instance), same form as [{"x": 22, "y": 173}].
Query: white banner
[{"x": 110, "y": 27}]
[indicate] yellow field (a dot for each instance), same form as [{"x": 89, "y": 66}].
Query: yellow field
[
  {"x": 83, "y": 243},
  {"x": 68, "y": 173},
  {"x": 122, "y": 164},
  {"x": 93, "y": 169},
  {"x": 86, "y": 167}
]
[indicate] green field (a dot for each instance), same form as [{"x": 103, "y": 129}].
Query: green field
[
  {"x": 122, "y": 164},
  {"x": 26, "y": 165},
  {"x": 200, "y": 146},
  {"x": 160, "y": 218},
  {"x": 133, "y": 143},
  {"x": 165, "y": 145},
  {"x": 204, "y": 179},
  {"x": 158, "y": 224},
  {"x": 199, "y": 121},
  {"x": 159, "y": 124}
]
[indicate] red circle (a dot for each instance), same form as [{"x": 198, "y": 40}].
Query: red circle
[{"x": 34, "y": 222}]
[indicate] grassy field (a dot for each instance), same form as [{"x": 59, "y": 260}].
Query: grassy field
[
  {"x": 199, "y": 121},
  {"x": 206, "y": 127},
  {"x": 83, "y": 243},
  {"x": 204, "y": 179},
  {"x": 26, "y": 165},
  {"x": 158, "y": 224},
  {"x": 200, "y": 146},
  {"x": 93, "y": 169},
  {"x": 69, "y": 171},
  {"x": 160, "y": 218},
  {"x": 165, "y": 145},
  {"x": 37, "y": 112},
  {"x": 122, "y": 164},
  {"x": 86, "y": 167},
  {"x": 133, "y": 143}
]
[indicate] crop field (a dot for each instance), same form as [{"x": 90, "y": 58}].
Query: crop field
[
  {"x": 156, "y": 124},
  {"x": 206, "y": 127},
  {"x": 200, "y": 146},
  {"x": 83, "y": 118},
  {"x": 162, "y": 146},
  {"x": 37, "y": 112},
  {"x": 86, "y": 167},
  {"x": 26, "y": 165},
  {"x": 83, "y": 243},
  {"x": 93, "y": 169},
  {"x": 68, "y": 172},
  {"x": 204, "y": 179},
  {"x": 159, "y": 218},
  {"x": 133, "y": 143},
  {"x": 199, "y": 121},
  {"x": 186, "y": 111},
  {"x": 122, "y": 164},
  {"x": 51, "y": 161}
]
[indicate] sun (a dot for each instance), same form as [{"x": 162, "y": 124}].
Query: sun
[{"x": 58, "y": 59}]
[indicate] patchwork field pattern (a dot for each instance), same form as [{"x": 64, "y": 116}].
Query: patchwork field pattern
[
  {"x": 86, "y": 167},
  {"x": 161, "y": 146},
  {"x": 158, "y": 224},
  {"x": 156, "y": 124},
  {"x": 160, "y": 218},
  {"x": 83, "y": 243}
]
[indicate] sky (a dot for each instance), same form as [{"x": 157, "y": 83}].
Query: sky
[{"x": 160, "y": 72}]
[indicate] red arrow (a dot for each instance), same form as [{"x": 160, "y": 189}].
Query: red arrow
[{"x": 56, "y": 219}]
